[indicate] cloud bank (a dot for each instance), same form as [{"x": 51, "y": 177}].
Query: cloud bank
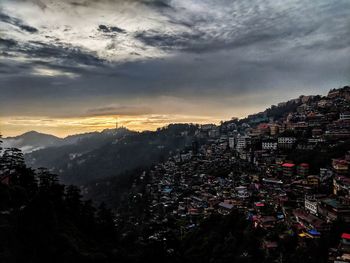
[{"x": 222, "y": 58}]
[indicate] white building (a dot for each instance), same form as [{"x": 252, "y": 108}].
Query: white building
[
  {"x": 207, "y": 127},
  {"x": 231, "y": 142},
  {"x": 287, "y": 140},
  {"x": 242, "y": 192},
  {"x": 311, "y": 205},
  {"x": 242, "y": 142},
  {"x": 269, "y": 145},
  {"x": 344, "y": 116}
]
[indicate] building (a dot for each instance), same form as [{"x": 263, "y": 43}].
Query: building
[
  {"x": 310, "y": 204},
  {"x": 309, "y": 221},
  {"x": 344, "y": 116},
  {"x": 288, "y": 169},
  {"x": 340, "y": 166},
  {"x": 264, "y": 128},
  {"x": 303, "y": 169},
  {"x": 269, "y": 145},
  {"x": 242, "y": 142},
  {"x": 331, "y": 209},
  {"x": 186, "y": 156},
  {"x": 313, "y": 180},
  {"x": 341, "y": 185},
  {"x": 316, "y": 132},
  {"x": 207, "y": 127},
  {"x": 231, "y": 142},
  {"x": 325, "y": 174},
  {"x": 274, "y": 129},
  {"x": 214, "y": 133},
  {"x": 286, "y": 142}
]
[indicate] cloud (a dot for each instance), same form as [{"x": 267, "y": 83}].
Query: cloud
[
  {"x": 111, "y": 29},
  {"x": 59, "y": 53},
  {"x": 118, "y": 110},
  {"x": 17, "y": 23},
  {"x": 7, "y": 43},
  {"x": 216, "y": 59},
  {"x": 181, "y": 41}
]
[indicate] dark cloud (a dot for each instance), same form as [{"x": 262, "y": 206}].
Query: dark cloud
[
  {"x": 263, "y": 26},
  {"x": 181, "y": 41},
  {"x": 111, "y": 29},
  {"x": 73, "y": 3},
  {"x": 118, "y": 110},
  {"x": 61, "y": 53},
  {"x": 85, "y": 3},
  {"x": 17, "y": 22},
  {"x": 158, "y": 3},
  {"x": 225, "y": 55},
  {"x": 7, "y": 43}
]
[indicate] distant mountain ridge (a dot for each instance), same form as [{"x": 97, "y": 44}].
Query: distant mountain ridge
[
  {"x": 111, "y": 152},
  {"x": 31, "y": 141}
]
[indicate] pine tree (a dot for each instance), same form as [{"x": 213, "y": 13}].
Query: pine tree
[
  {"x": 46, "y": 179},
  {"x": 13, "y": 163},
  {"x": 1, "y": 143},
  {"x": 1, "y": 160},
  {"x": 88, "y": 216},
  {"x": 73, "y": 201},
  {"x": 105, "y": 220}
]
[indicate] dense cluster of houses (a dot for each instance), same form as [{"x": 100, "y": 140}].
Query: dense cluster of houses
[{"x": 245, "y": 166}]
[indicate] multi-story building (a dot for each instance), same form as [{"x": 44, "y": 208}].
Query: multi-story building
[
  {"x": 310, "y": 221},
  {"x": 269, "y": 145},
  {"x": 310, "y": 204},
  {"x": 344, "y": 116},
  {"x": 341, "y": 185},
  {"x": 264, "y": 128},
  {"x": 313, "y": 181},
  {"x": 274, "y": 129},
  {"x": 288, "y": 169},
  {"x": 325, "y": 174},
  {"x": 231, "y": 142},
  {"x": 286, "y": 142},
  {"x": 242, "y": 142},
  {"x": 340, "y": 166},
  {"x": 303, "y": 169},
  {"x": 331, "y": 209}
]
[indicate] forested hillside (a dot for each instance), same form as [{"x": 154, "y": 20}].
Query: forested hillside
[{"x": 109, "y": 154}]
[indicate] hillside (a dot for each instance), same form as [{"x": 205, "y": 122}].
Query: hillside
[
  {"x": 108, "y": 154},
  {"x": 31, "y": 141}
]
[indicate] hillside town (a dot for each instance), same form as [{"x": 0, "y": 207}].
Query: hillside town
[
  {"x": 285, "y": 169},
  {"x": 273, "y": 187}
]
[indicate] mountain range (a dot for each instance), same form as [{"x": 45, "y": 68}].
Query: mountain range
[
  {"x": 31, "y": 141},
  {"x": 81, "y": 158}
]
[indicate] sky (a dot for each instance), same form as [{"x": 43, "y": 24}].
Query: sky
[{"x": 74, "y": 66}]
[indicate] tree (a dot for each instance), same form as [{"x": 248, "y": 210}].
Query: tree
[
  {"x": 0, "y": 143},
  {"x": 105, "y": 220},
  {"x": 12, "y": 162},
  {"x": 73, "y": 201},
  {"x": 46, "y": 179}
]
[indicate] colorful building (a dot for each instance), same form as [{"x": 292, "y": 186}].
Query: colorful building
[
  {"x": 288, "y": 169},
  {"x": 303, "y": 169}
]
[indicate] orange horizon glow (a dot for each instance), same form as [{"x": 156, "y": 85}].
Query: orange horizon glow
[{"x": 62, "y": 127}]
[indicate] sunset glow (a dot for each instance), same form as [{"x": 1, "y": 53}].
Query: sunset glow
[{"x": 62, "y": 127}]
